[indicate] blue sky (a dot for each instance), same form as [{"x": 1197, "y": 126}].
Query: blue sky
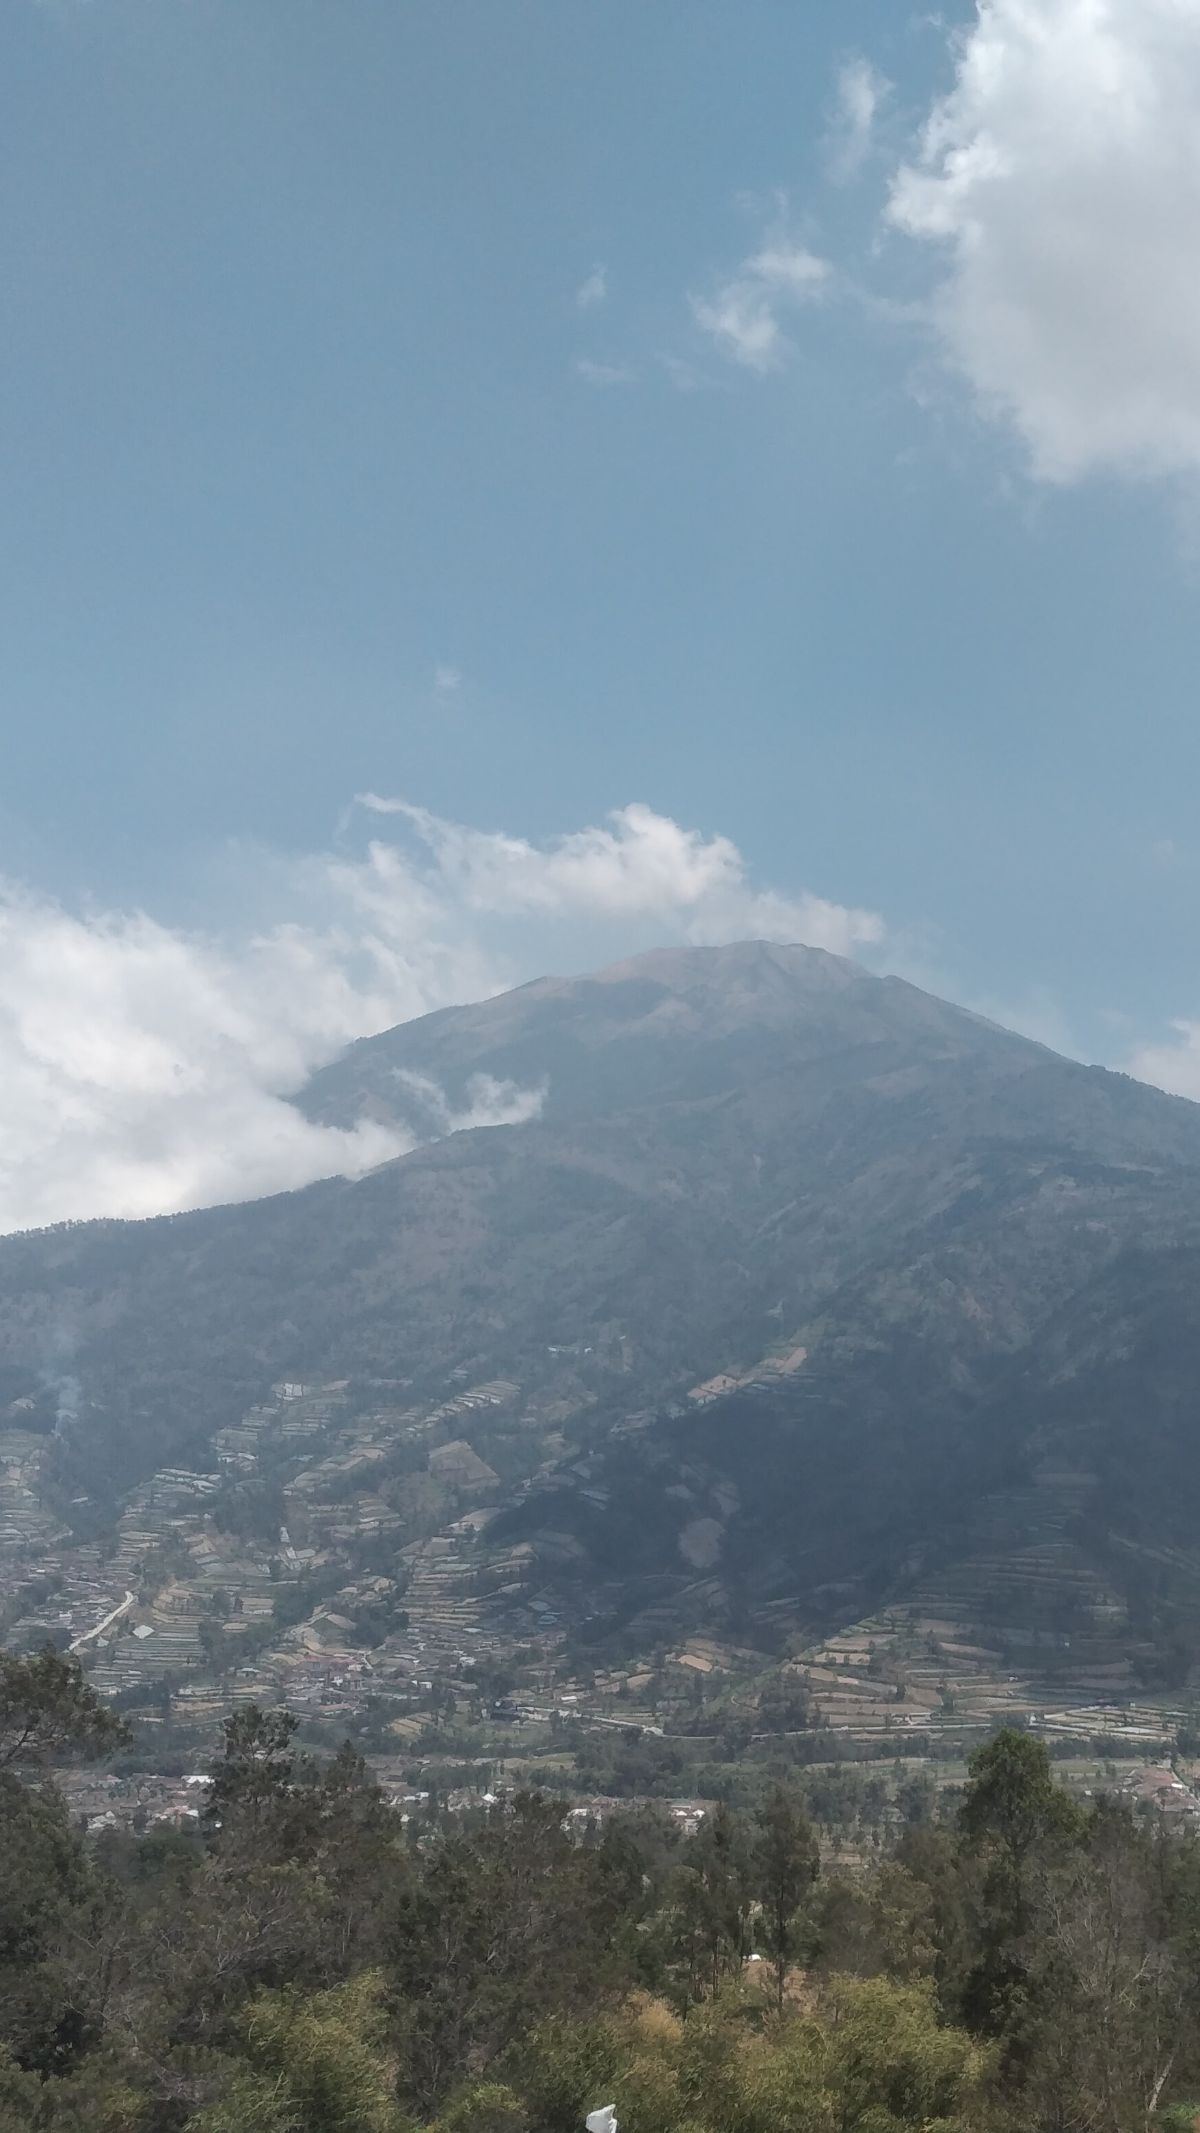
[{"x": 783, "y": 418}]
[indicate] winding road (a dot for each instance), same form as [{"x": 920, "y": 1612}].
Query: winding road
[{"x": 113, "y": 1615}]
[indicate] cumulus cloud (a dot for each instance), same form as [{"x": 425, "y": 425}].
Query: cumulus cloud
[
  {"x": 745, "y": 317},
  {"x": 1061, "y": 178},
  {"x": 861, "y": 90},
  {"x": 637, "y": 864},
  {"x": 144, "y": 1069},
  {"x": 147, "y": 1069}
]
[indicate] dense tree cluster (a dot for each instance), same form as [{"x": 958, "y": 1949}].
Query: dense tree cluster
[{"x": 309, "y": 1962}]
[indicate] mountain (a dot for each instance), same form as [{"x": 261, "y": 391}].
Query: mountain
[{"x": 937, "y": 1281}]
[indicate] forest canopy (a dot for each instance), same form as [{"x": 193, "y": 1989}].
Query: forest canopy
[{"x": 307, "y": 1961}]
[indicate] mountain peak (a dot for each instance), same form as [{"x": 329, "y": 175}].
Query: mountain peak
[
  {"x": 733, "y": 962},
  {"x": 660, "y": 1018},
  {"x": 853, "y": 1261}
]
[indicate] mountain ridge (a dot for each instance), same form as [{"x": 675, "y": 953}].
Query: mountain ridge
[
  {"x": 738, "y": 1148},
  {"x": 704, "y": 994}
]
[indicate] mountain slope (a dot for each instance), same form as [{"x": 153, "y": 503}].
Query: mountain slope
[
  {"x": 664, "y": 1025},
  {"x": 739, "y": 1149}
]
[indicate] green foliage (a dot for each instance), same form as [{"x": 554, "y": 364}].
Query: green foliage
[
  {"x": 1012, "y": 1804},
  {"x": 866, "y": 2056},
  {"x": 305, "y": 1968},
  {"x": 252, "y": 1785},
  {"x": 48, "y": 1711},
  {"x": 312, "y": 2064},
  {"x": 879, "y": 1924},
  {"x": 96, "y": 2098},
  {"x": 20, "y": 2095},
  {"x": 784, "y": 1706},
  {"x": 1017, "y": 1824},
  {"x": 504, "y": 1925},
  {"x": 784, "y": 1866},
  {"x": 711, "y": 1896},
  {"x": 629, "y": 1765},
  {"x": 893, "y": 2063},
  {"x": 561, "y": 2067},
  {"x": 49, "y": 1897},
  {"x": 485, "y": 2107}
]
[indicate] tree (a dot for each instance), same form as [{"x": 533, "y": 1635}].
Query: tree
[
  {"x": 252, "y": 1784},
  {"x": 712, "y": 1899},
  {"x": 498, "y": 1927},
  {"x": 893, "y": 2063},
  {"x": 485, "y": 2107},
  {"x": 784, "y": 1706},
  {"x": 50, "y": 1895},
  {"x": 48, "y": 1711},
  {"x": 1114, "y": 1993},
  {"x": 310, "y": 2064},
  {"x": 916, "y": 1798},
  {"x": 1014, "y": 1824},
  {"x": 784, "y": 1865},
  {"x": 878, "y": 1923},
  {"x": 1012, "y": 1805}
]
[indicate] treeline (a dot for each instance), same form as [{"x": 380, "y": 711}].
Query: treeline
[{"x": 307, "y": 1962}]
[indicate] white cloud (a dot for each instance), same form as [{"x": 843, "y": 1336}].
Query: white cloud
[
  {"x": 1061, "y": 175},
  {"x": 144, "y": 1069},
  {"x": 1172, "y": 1063},
  {"x": 447, "y": 680},
  {"x": 490, "y": 1102},
  {"x": 592, "y": 292},
  {"x": 745, "y": 316},
  {"x": 147, "y": 1069},
  {"x": 603, "y": 374},
  {"x": 639, "y": 864},
  {"x": 861, "y": 90}
]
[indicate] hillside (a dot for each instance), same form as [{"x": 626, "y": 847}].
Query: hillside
[{"x": 986, "y": 1253}]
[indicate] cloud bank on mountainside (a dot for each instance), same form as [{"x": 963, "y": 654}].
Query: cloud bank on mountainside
[{"x": 147, "y": 1069}]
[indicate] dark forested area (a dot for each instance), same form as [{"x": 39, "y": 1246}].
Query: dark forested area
[{"x": 308, "y": 1961}]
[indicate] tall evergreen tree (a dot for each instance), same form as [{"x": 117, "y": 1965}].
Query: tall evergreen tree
[{"x": 784, "y": 1866}]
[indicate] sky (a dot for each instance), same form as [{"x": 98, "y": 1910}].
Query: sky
[{"x": 493, "y": 485}]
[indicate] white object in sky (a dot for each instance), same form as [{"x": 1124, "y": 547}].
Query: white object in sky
[{"x": 602, "y": 2121}]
